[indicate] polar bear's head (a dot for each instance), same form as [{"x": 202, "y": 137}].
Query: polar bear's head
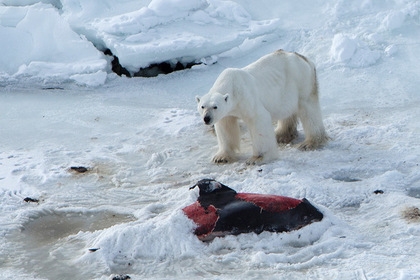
[{"x": 213, "y": 107}]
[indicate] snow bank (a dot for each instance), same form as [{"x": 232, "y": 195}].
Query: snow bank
[
  {"x": 184, "y": 31},
  {"x": 63, "y": 41},
  {"x": 38, "y": 43}
]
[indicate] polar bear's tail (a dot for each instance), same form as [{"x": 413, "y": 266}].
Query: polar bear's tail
[{"x": 314, "y": 92}]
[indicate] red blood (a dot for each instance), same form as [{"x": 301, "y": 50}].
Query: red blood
[
  {"x": 270, "y": 203},
  {"x": 204, "y": 218}
]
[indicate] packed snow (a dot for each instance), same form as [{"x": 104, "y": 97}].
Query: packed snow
[{"x": 143, "y": 143}]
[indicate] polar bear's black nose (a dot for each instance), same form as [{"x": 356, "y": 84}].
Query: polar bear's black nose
[{"x": 207, "y": 119}]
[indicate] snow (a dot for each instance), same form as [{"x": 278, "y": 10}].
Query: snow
[
  {"x": 46, "y": 50},
  {"x": 145, "y": 145}
]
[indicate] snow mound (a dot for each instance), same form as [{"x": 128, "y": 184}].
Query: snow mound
[
  {"x": 40, "y": 44},
  {"x": 352, "y": 51},
  {"x": 393, "y": 20},
  {"x": 172, "y": 31}
]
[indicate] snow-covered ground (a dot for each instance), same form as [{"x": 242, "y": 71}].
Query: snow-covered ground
[{"x": 144, "y": 143}]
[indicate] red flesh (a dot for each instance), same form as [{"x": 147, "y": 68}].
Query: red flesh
[
  {"x": 270, "y": 203},
  {"x": 204, "y": 218}
]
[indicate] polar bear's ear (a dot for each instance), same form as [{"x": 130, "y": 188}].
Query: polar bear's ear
[
  {"x": 226, "y": 96},
  {"x": 197, "y": 98}
]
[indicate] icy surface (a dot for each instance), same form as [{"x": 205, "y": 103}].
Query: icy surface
[{"x": 144, "y": 144}]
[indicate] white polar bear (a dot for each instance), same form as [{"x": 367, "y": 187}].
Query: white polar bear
[{"x": 281, "y": 86}]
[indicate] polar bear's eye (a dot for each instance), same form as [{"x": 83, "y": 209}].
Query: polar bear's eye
[
  {"x": 202, "y": 107},
  {"x": 215, "y": 107}
]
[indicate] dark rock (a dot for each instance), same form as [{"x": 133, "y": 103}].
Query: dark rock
[
  {"x": 28, "y": 199},
  {"x": 152, "y": 70},
  {"x": 121, "y": 277},
  {"x": 80, "y": 169},
  {"x": 116, "y": 66},
  {"x": 93, "y": 249}
]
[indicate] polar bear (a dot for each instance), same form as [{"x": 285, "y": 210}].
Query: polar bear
[{"x": 281, "y": 86}]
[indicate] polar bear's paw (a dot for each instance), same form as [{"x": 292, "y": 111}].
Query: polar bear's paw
[
  {"x": 223, "y": 158},
  {"x": 286, "y": 138},
  {"x": 255, "y": 160},
  {"x": 309, "y": 145}
]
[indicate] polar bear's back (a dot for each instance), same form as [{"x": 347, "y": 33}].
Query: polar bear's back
[
  {"x": 282, "y": 79},
  {"x": 287, "y": 66}
]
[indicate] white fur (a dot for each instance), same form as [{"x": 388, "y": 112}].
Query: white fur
[{"x": 280, "y": 86}]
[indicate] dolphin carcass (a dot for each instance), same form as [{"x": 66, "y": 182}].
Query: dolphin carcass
[{"x": 219, "y": 210}]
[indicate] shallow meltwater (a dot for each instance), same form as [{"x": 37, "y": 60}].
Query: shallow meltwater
[
  {"x": 49, "y": 241},
  {"x": 54, "y": 225}
]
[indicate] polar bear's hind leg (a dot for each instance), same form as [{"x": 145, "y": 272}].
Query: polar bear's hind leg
[
  {"x": 286, "y": 130},
  {"x": 313, "y": 127}
]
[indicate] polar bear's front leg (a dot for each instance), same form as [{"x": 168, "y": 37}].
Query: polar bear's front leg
[
  {"x": 228, "y": 138},
  {"x": 264, "y": 144}
]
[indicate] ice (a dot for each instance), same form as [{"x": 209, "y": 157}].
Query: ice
[
  {"x": 46, "y": 51},
  {"x": 144, "y": 145}
]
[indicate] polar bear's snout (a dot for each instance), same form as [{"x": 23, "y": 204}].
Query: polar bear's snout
[{"x": 207, "y": 119}]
